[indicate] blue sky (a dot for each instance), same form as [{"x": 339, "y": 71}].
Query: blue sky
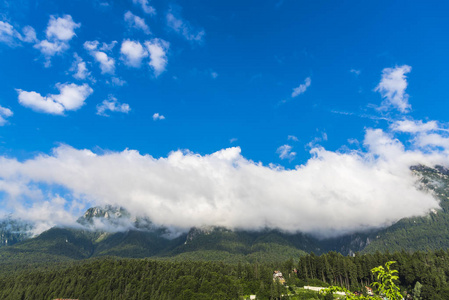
[
  {"x": 259, "y": 53},
  {"x": 277, "y": 79}
]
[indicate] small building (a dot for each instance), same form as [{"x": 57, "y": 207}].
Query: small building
[
  {"x": 277, "y": 275},
  {"x": 369, "y": 290}
]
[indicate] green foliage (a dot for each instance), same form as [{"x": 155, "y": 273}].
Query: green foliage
[
  {"x": 385, "y": 284},
  {"x": 386, "y": 278},
  {"x": 417, "y": 291},
  {"x": 430, "y": 269}
]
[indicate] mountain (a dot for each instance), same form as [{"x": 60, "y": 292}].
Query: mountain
[
  {"x": 107, "y": 214},
  {"x": 13, "y": 231},
  {"x": 218, "y": 243},
  {"x": 62, "y": 244},
  {"x": 111, "y": 218},
  {"x": 112, "y": 231}
]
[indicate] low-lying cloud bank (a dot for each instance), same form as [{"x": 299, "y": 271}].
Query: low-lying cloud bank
[{"x": 332, "y": 194}]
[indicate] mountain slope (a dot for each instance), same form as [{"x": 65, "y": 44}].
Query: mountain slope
[
  {"x": 135, "y": 244},
  {"x": 54, "y": 245}
]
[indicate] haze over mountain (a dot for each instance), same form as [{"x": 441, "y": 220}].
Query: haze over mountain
[{"x": 114, "y": 231}]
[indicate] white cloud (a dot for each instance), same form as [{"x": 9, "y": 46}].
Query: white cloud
[
  {"x": 51, "y": 48},
  {"x": 4, "y": 113},
  {"x": 145, "y": 4},
  {"x": 133, "y": 53},
  {"x": 285, "y": 152},
  {"x": 70, "y": 97},
  {"x": 331, "y": 194},
  {"x": 157, "y": 116},
  {"x": 107, "y": 64},
  {"x": 62, "y": 29},
  {"x": 233, "y": 140},
  {"x": 214, "y": 74},
  {"x": 36, "y": 102},
  {"x": 412, "y": 126},
  {"x": 293, "y": 138},
  {"x": 430, "y": 140},
  {"x": 136, "y": 22},
  {"x": 392, "y": 88},
  {"x": 354, "y": 71},
  {"x": 48, "y": 213},
  {"x": 29, "y": 34},
  {"x": 59, "y": 32},
  {"x": 7, "y": 33},
  {"x": 91, "y": 45},
  {"x": 12, "y": 37},
  {"x": 108, "y": 47},
  {"x": 79, "y": 68},
  {"x": 426, "y": 135},
  {"x": 104, "y": 4},
  {"x": 112, "y": 105},
  {"x": 158, "y": 55},
  {"x": 184, "y": 28},
  {"x": 302, "y": 87},
  {"x": 117, "y": 81}
]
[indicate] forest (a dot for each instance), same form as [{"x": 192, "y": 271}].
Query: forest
[
  {"x": 422, "y": 275},
  {"x": 426, "y": 271},
  {"x": 142, "y": 279}
]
